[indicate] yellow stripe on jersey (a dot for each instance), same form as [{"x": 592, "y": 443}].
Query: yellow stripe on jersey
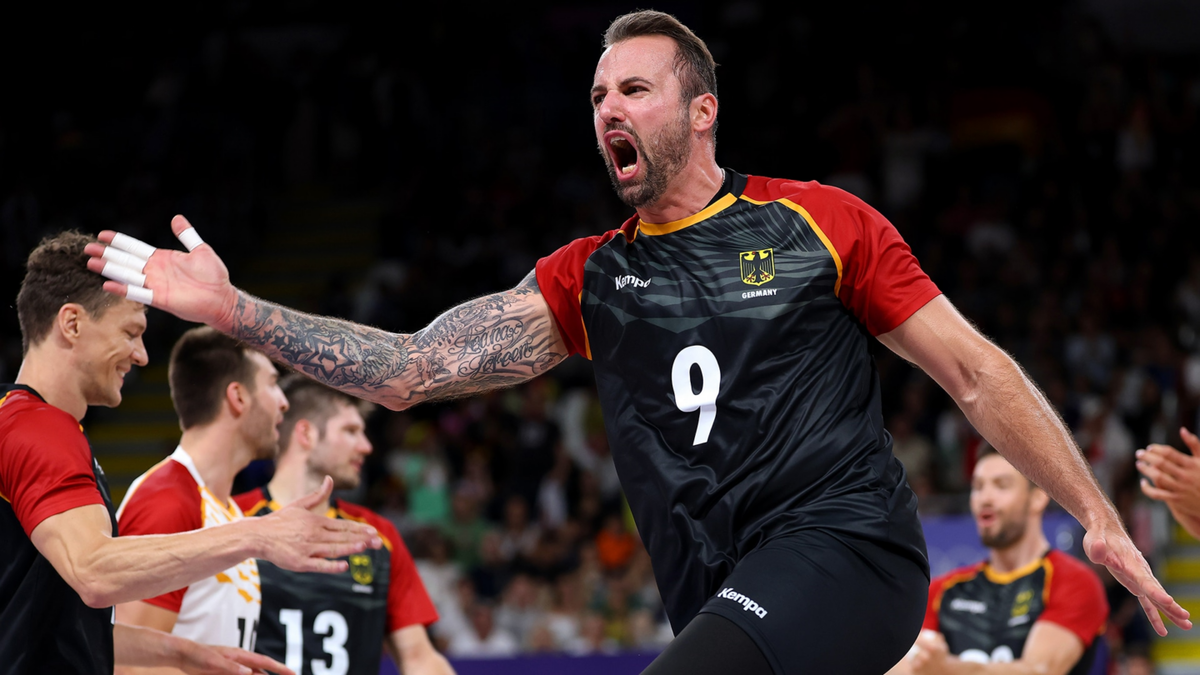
[{"x": 656, "y": 229}]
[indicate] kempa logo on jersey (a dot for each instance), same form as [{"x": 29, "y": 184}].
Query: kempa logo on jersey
[
  {"x": 747, "y": 604},
  {"x": 971, "y": 606},
  {"x": 630, "y": 280}
]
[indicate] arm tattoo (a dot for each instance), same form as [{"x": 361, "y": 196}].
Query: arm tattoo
[{"x": 494, "y": 341}]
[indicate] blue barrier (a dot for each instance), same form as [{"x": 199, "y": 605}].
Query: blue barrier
[{"x": 623, "y": 664}]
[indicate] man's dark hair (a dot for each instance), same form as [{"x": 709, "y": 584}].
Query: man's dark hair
[
  {"x": 694, "y": 64},
  {"x": 310, "y": 400},
  {"x": 56, "y": 273},
  {"x": 203, "y": 363},
  {"x": 985, "y": 449}
]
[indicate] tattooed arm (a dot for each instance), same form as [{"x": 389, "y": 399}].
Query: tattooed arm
[
  {"x": 490, "y": 342},
  {"x": 495, "y": 341}
]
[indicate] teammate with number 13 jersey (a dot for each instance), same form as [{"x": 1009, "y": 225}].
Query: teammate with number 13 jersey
[{"x": 337, "y": 624}]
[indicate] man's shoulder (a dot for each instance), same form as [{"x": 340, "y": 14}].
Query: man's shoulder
[
  {"x": 23, "y": 411},
  {"x": 807, "y": 193},
  {"x": 957, "y": 576},
  {"x": 1064, "y": 566},
  {"x": 252, "y": 502},
  {"x": 164, "y": 485}
]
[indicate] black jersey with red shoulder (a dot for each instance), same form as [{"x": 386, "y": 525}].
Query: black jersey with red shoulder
[
  {"x": 731, "y": 352},
  {"x": 46, "y": 468},
  {"x": 326, "y": 623},
  {"x": 986, "y": 615}
]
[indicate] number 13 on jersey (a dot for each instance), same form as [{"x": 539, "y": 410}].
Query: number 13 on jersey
[{"x": 687, "y": 399}]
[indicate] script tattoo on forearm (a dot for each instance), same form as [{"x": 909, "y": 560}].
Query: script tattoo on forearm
[{"x": 490, "y": 342}]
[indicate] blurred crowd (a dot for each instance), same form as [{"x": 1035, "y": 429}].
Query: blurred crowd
[{"x": 1046, "y": 174}]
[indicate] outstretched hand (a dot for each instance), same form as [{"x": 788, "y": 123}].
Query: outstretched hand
[
  {"x": 193, "y": 286},
  {"x": 214, "y": 660},
  {"x": 302, "y": 541},
  {"x": 1111, "y": 546},
  {"x": 1173, "y": 477}
]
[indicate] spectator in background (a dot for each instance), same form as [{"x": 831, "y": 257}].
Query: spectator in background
[
  {"x": 483, "y": 639},
  {"x": 1173, "y": 477},
  {"x": 614, "y": 544},
  {"x": 466, "y": 529}
]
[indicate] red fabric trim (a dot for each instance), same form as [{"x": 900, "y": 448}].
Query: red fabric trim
[
  {"x": 1077, "y": 601},
  {"x": 560, "y": 280}
]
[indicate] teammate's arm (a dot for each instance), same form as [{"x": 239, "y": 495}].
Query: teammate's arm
[
  {"x": 494, "y": 341},
  {"x": 1049, "y": 649},
  {"x": 107, "y": 570},
  {"x": 145, "y": 615},
  {"x": 137, "y": 646},
  {"x": 412, "y": 652},
  {"x": 1004, "y": 404}
]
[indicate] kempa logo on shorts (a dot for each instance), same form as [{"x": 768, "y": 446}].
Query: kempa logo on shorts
[
  {"x": 630, "y": 280},
  {"x": 747, "y": 604}
]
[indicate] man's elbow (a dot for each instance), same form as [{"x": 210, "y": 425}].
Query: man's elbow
[
  {"x": 96, "y": 594},
  {"x": 981, "y": 375}
]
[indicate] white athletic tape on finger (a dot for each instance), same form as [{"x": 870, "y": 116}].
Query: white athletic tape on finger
[
  {"x": 139, "y": 294},
  {"x": 135, "y": 246},
  {"x": 124, "y": 259},
  {"x": 190, "y": 238},
  {"x": 123, "y": 274}
]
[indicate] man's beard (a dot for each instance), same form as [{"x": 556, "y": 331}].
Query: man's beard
[
  {"x": 1008, "y": 534},
  {"x": 661, "y": 160}
]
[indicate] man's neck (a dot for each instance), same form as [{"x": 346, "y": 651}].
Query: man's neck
[
  {"x": 45, "y": 373},
  {"x": 687, "y": 193},
  {"x": 218, "y": 454},
  {"x": 293, "y": 480},
  {"x": 1028, "y": 549}
]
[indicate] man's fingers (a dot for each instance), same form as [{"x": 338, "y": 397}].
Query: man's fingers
[
  {"x": 1190, "y": 440},
  {"x": 1156, "y": 492},
  {"x": 322, "y": 493},
  {"x": 118, "y": 257},
  {"x": 1153, "y": 615},
  {"x": 123, "y": 274},
  {"x": 256, "y": 661},
  {"x": 190, "y": 238},
  {"x": 128, "y": 244},
  {"x": 343, "y": 532},
  {"x": 324, "y": 566}
]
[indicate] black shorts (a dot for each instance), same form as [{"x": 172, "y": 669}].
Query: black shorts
[{"x": 815, "y": 602}]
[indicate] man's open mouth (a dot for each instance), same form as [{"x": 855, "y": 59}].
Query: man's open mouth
[{"x": 623, "y": 152}]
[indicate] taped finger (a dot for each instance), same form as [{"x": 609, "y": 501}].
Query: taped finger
[
  {"x": 124, "y": 259},
  {"x": 139, "y": 294},
  {"x": 130, "y": 245},
  {"x": 190, "y": 238},
  {"x": 123, "y": 274}
]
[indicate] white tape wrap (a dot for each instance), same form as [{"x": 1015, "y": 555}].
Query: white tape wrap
[
  {"x": 123, "y": 274},
  {"x": 135, "y": 246},
  {"x": 190, "y": 238},
  {"x": 139, "y": 294},
  {"x": 124, "y": 259}
]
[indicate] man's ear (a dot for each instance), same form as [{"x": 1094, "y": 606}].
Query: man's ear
[
  {"x": 237, "y": 398},
  {"x": 69, "y": 322},
  {"x": 306, "y": 434},
  {"x": 703, "y": 112},
  {"x": 1039, "y": 500}
]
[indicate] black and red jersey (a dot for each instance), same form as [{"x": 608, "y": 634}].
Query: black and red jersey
[
  {"x": 732, "y": 363},
  {"x": 46, "y": 468},
  {"x": 986, "y": 615},
  {"x": 324, "y": 623}
]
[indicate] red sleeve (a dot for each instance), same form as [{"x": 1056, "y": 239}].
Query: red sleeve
[
  {"x": 881, "y": 281},
  {"x": 1076, "y": 598},
  {"x": 165, "y": 501},
  {"x": 936, "y": 587},
  {"x": 45, "y": 463},
  {"x": 560, "y": 281}
]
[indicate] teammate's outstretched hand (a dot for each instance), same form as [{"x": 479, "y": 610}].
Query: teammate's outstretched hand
[
  {"x": 1111, "y": 546},
  {"x": 1173, "y": 478},
  {"x": 200, "y": 659},
  {"x": 297, "y": 539},
  {"x": 193, "y": 286}
]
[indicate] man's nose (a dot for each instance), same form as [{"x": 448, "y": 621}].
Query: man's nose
[
  {"x": 140, "y": 356},
  {"x": 610, "y": 109}
]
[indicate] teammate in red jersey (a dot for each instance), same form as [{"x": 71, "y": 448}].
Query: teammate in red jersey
[
  {"x": 380, "y": 601},
  {"x": 1027, "y": 606},
  {"x": 63, "y": 568},
  {"x": 763, "y": 560},
  {"x": 230, "y": 406}
]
